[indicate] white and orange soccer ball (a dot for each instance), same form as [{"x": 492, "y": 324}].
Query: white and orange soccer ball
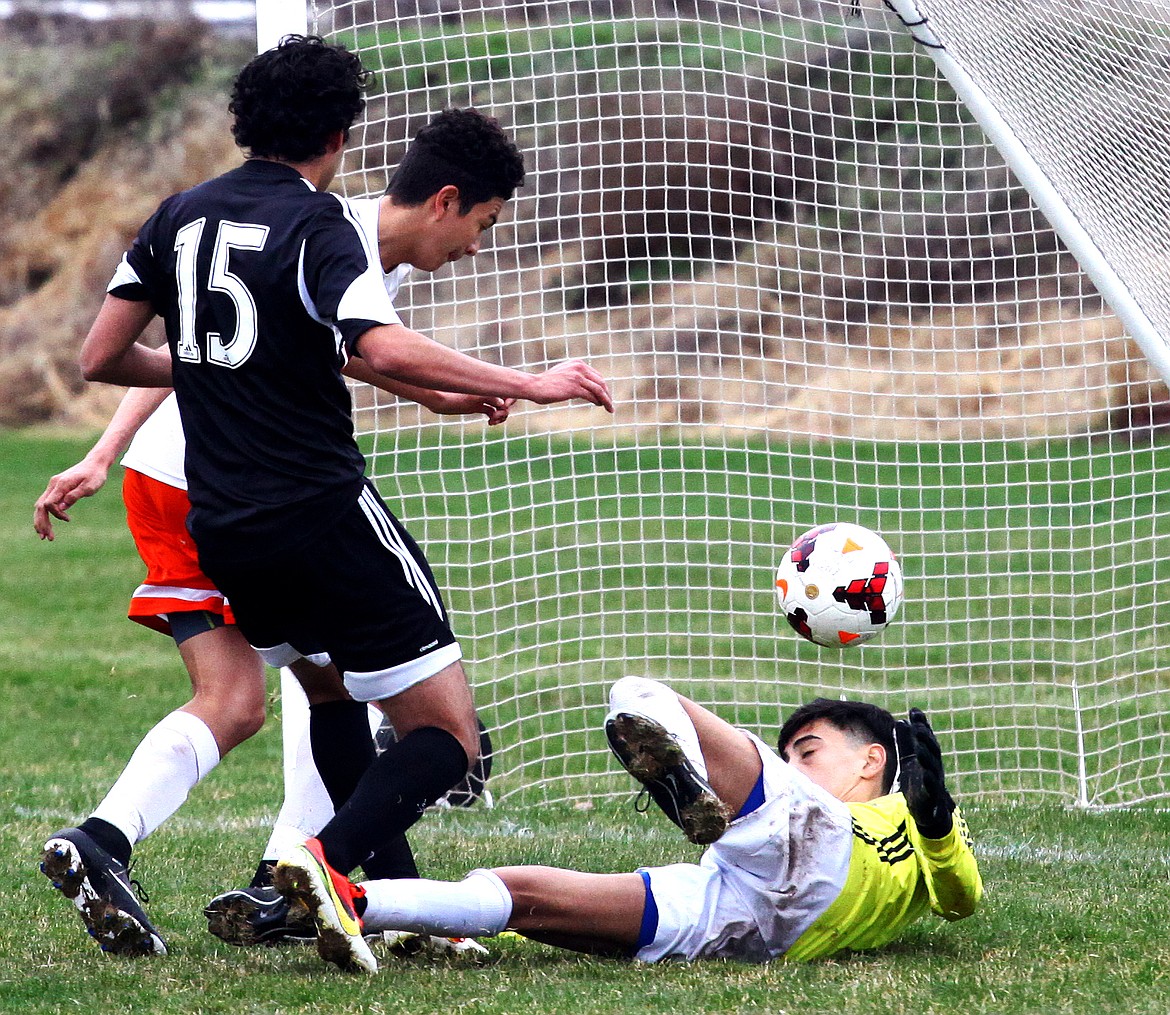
[{"x": 839, "y": 585}]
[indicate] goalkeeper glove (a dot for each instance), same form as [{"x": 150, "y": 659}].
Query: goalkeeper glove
[{"x": 922, "y": 779}]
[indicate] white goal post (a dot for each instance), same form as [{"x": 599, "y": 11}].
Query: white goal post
[
  {"x": 1087, "y": 125},
  {"x": 277, "y": 18},
  {"x": 839, "y": 261}
]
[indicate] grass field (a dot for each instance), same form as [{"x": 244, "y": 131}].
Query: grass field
[{"x": 1074, "y": 919}]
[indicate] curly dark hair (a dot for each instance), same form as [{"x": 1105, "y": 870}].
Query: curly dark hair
[
  {"x": 461, "y": 148},
  {"x": 290, "y": 100},
  {"x": 862, "y": 721}
]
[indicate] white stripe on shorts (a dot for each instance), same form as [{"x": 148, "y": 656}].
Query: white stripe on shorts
[
  {"x": 390, "y": 538},
  {"x": 176, "y": 592},
  {"x": 377, "y": 685}
]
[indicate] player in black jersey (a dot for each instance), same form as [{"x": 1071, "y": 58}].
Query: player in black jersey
[{"x": 267, "y": 287}]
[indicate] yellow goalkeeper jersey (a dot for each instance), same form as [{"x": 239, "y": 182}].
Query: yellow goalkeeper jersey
[{"x": 895, "y": 875}]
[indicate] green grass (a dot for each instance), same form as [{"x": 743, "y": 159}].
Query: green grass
[
  {"x": 599, "y": 54},
  {"x": 1074, "y": 919}
]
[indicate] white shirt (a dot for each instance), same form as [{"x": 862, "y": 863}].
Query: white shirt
[{"x": 158, "y": 447}]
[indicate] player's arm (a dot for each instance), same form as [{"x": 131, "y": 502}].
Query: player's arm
[
  {"x": 950, "y": 871},
  {"x": 404, "y": 355},
  {"x": 89, "y": 475},
  {"x": 941, "y": 840},
  {"x": 449, "y": 403},
  {"x": 112, "y": 353},
  {"x": 347, "y": 288}
]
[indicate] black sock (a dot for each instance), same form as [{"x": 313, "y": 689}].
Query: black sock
[
  {"x": 405, "y": 779},
  {"x": 339, "y": 735},
  {"x": 393, "y": 860},
  {"x": 111, "y": 839}
]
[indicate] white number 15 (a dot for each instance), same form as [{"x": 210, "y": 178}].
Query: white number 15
[{"x": 230, "y": 236}]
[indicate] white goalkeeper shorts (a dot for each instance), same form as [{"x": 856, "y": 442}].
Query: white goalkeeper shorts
[{"x": 763, "y": 883}]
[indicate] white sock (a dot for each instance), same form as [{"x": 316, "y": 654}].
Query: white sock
[
  {"x": 306, "y": 807},
  {"x": 478, "y": 906},
  {"x": 655, "y": 700},
  {"x": 169, "y": 761}
]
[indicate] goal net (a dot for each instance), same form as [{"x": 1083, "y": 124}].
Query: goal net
[{"x": 823, "y": 287}]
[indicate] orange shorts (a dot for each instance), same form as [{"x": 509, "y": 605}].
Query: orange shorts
[{"x": 157, "y": 517}]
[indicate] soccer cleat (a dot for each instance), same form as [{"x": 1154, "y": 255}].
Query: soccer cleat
[
  {"x": 307, "y": 881},
  {"x": 99, "y": 885},
  {"x": 654, "y": 757},
  {"x": 258, "y": 916},
  {"x": 405, "y": 944},
  {"x": 466, "y": 948}
]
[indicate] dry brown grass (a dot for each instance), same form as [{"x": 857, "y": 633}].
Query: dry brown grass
[{"x": 101, "y": 127}]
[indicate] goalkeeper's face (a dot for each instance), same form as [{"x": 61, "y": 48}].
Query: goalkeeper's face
[{"x": 849, "y": 768}]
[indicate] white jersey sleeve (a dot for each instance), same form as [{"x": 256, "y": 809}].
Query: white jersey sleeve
[
  {"x": 365, "y": 210},
  {"x": 158, "y": 448}
]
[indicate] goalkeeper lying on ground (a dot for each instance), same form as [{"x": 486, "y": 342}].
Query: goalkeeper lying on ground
[{"x": 840, "y": 845}]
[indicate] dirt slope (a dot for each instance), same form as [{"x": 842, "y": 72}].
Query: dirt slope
[{"x": 782, "y": 337}]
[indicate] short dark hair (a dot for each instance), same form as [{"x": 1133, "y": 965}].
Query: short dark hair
[
  {"x": 461, "y": 148},
  {"x": 862, "y": 721},
  {"x": 288, "y": 101}
]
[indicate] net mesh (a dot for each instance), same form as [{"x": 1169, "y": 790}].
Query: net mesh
[
  {"x": 1096, "y": 126},
  {"x": 818, "y": 294}
]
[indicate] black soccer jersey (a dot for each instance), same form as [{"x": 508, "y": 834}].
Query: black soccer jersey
[{"x": 264, "y": 284}]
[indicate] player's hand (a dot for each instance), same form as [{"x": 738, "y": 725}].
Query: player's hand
[
  {"x": 64, "y": 490},
  {"x": 922, "y": 779},
  {"x": 496, "y": 409},
  {"x": 573, "y": 378},
  {"x": 452, "y": 403}
]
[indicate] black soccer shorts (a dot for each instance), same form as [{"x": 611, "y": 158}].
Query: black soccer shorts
[{"x": 360, "y": 590}]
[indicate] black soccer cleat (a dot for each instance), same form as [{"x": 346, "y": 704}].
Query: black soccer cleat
[
  {"x": 654, "y": 757},
  {"x": 258, "y": 916},
  {"x": 99, "y": 885}
]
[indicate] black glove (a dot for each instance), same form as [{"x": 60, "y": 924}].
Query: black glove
[{"x": 922, "y": 780}]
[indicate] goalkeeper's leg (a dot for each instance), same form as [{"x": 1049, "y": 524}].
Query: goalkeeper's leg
[
  {"x": 700, "y": 770},
  {"x": 597, "y": 913}
]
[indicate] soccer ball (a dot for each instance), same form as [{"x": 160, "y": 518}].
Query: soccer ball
[{"x": 839, "y": 585}]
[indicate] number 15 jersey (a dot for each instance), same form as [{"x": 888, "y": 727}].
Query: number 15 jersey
[{"x": 264, "y": 285}]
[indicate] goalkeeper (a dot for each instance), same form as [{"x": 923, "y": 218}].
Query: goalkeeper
[{"x": 839, "y": 843}]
